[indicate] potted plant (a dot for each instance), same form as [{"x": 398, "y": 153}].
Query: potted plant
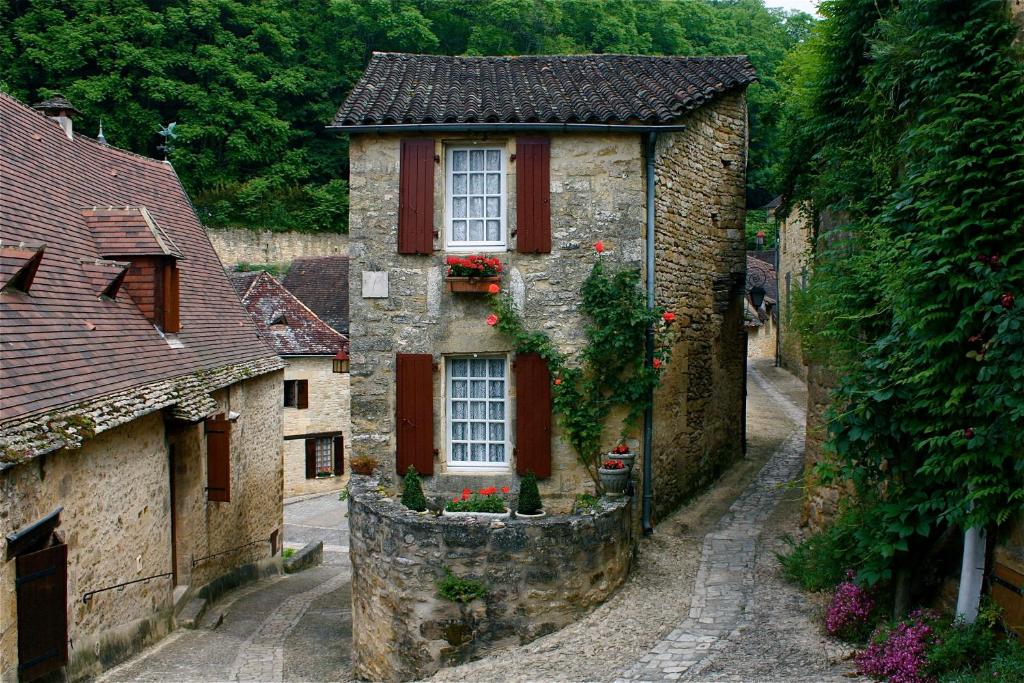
[
  {"x": 363, "y": 464},
  {"x": 477, "y": 274},
  {"x": 529, "y": 506},
  {"x": 484, "y": 503},
  {"x": 324, "y": 472},
  {"x": 614, "y": 477},
  {"x": 412, "y": 491},
  {"x": 622, "y": 452}
]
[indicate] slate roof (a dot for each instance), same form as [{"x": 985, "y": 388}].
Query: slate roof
[
  {"x": 284, "y": 321},
  {"x": 61, "y": 343},
  {"x": 322, "y": 284},
  {"x": 604, "y": 89}
]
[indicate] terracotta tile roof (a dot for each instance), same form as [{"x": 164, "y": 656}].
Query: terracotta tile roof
[
  {"x": 622, "y": 89},
  {"x": 322, "y": 284},
  {"x": 290, "y": 327},
  {"x": 242, "y": 281},
  {"x": 130, "y": 231},
  {"x": 63, "y": 343}
]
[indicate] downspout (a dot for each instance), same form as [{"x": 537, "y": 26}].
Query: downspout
[{"x": 648, "y": 492}]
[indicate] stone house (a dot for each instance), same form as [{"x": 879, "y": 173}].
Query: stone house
[
  {"x": 315, "y": 390},
  {"x": 140, "y": 420},
  {"x": 534, "y": 159},
  {"x": 762, "y": 311},
  {"x": 794, "y": 252},
  {"x": 321, "y": 283}
]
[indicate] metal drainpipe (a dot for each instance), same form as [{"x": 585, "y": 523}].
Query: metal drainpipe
[{"x": 648, "y": 493}]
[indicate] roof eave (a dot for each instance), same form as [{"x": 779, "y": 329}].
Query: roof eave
[{"x": 495, "y": 127}]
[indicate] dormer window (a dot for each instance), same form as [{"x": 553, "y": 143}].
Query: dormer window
[
  {"x": 278, "y": 322},
  {"x": 18, "y": 266}
]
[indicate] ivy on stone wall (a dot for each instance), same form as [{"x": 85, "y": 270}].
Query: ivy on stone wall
[{"x": 911, "y": 131}]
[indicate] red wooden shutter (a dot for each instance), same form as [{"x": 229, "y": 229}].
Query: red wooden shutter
[
  {"x": 533, "y": 415},
  {"x": 218, "y": 459},
  {"x": 416, "y": 197},
  {"x": 533, "y": 195},
  {"x": 42, "y": 593},
  {"x": 172, "y": 300},
  {"x": 339, "y": 455},
  {"x": 310, "y": 458},
  {"x": 414, "y": 412},
  {"x": 302, "y": 402}
]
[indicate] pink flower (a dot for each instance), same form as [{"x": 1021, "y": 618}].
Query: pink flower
[
  {"x": 493, "y": 288},
  {"x": 599, "y": 246},
  {"x": 492, "y": 320}
]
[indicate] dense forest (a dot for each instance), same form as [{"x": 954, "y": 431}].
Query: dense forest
[{"x": 251, "y": 84}]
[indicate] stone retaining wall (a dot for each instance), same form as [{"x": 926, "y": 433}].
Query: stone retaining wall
[
  {"x": 236, "y": 246},
  {"x": 541, "y": 575}
]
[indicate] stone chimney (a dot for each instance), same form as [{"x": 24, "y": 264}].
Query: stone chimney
[{"x": 58, "y": 108}]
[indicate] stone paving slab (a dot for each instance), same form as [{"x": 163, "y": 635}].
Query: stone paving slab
[{"x": 725, "y": 579}]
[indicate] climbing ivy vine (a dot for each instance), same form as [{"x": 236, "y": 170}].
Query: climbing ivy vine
[{"x": 910, "y": 130}]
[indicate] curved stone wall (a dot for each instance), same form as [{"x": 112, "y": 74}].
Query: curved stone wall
[{"x": 540, "y": 576}]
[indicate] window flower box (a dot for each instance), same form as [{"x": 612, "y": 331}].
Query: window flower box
[
  {"x": 477, "y": 274},
  {"x": 471, "y": 285},
  {"x": 485, "y": 504},
  {"x": 479, "y": 515}
]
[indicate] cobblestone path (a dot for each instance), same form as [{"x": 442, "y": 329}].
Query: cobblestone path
[
  {"x": 725, "y": 579},
  {"x": 290, "y": 628}
]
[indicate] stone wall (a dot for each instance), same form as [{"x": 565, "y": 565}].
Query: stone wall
[
  {"x": 540, "y": 575},
  {"x": 699, "y": 266},
  {"x": 236, "y": 246},
  {"x": 794, "y": 252},
  {"x": 115, "y": 491},
  {"x": 821, "y": 501},
  {"x": 328, "y": 412},
  {"x": 596, "y": 193}
]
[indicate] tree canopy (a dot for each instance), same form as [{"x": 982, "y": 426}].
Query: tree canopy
[{"x": 251, "y": 84}]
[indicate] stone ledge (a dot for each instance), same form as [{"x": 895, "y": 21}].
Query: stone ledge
[
  {"x": 308, "y": 556},
  {"x": 540, "y": 574}
]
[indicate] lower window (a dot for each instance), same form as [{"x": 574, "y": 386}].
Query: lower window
[
  {"x": 477, "y": 390},
  {"x": 325, "y": 457}
]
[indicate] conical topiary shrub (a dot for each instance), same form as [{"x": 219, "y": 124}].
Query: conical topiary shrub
[
  {"x": 529, "y": 496},
  {"x": 412, "y": 491}
]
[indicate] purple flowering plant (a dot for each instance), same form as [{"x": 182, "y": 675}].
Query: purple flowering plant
[
  {"x": 849, "y": 614},
  {"x": 898, "y": 654}
]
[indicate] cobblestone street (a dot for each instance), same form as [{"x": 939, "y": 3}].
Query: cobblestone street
[{"x": 289, "y": 628}]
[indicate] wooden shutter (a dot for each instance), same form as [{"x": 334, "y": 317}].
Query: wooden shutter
[
  {"x": 172, "y": 299},
  {"x": 339, "y": 455},
  {"x": 42, "y": 594},
  {"x": 533, "y": 415},
  {"x": 302, "y": 390},
  {"x": 218, "y": 459},
  {"x": 414, "y": 412},
  {"x": 310, "y": 458},
  {"x": 416, "y": 197},
  {"x": 533, "y": 195}
]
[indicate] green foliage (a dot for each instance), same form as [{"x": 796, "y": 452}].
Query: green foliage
[
  {"x": 911, "y": 134},
  {"x": 610, "y": 371},
  {"x": 272, "y": 268},
  {"x": 757, "y": 221},
  {"x": 287, "y": 553},
  {"x": 961, "y": 648},
  {"x": 1007, "y": 664},
  {"x": 252, "y": 84},
  {"x": 455, "y": 589},
  {"x": 586, "y": 503},
  {"x": 529, "y": 495},
  {"x": 820, "y": 561},
  {"x": 412, "y": 491}
]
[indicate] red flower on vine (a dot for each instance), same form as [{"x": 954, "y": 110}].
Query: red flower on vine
[
  {"x": 558, "y": 381},
  {"x": 1006, "y": 300},
  {"x": 656, "y": 363},
  {"x": 492, "y": 320},
  {"x": 668, "y": 316},
  {"x": 493, "y": 288},
  {"x": 968, "y": 433},
  {"x": 599, "y": 247},
  {"x": 504, "y": 489}
]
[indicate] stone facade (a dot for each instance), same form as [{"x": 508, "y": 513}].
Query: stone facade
[
  {"x": 761, "y": 340},
  {"x": 540, "y": 575},
  {"x": 116, "y": 494},
  {"x": 597, "y": 193},
  {"x": 238, "y": 245},
  {"x": 794, "y": 252},
  {"x": 328, "y": 413}
]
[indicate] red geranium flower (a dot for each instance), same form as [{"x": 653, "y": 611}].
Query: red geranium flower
[
  {"x": 669, "y": 317},
  {"x": 466, "y": 493},
  {"x": 504, "y": 489},
  {"x": 558, "y": 381},
  {"x": 656, "y": 363},
  {"x": 599, "y": 246},
  {"x": 493, "y": 288},
  {"x": 613, "y": 465},
  {"x": 492, "y": 320}
]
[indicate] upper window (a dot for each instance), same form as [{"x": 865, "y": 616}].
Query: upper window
[
  {"x": 477, "y": 412},
  {"x": 475, "y": 205}
]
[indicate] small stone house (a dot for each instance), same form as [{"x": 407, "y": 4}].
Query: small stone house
[
  {"x": 534, "y": 159},
  {"x": 315, "y": 390},
  {"x": 762, "y": 312},
  {"x": 140, "y": 418}
]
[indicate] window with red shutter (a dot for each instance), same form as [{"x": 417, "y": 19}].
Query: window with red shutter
[
  {"x": 218, "y": 459},
  {"x": 414, "y": 412},
  {"x": 533, "y": 195},
  {"x": 533, "y": 415},
  {"x": 310, "y": 458},
  {"x": 172, "y": 298},
  {"x": 416, "y": 196},
  {"x": 339, "y": 455},
  {"x": 302, "y": 401}
]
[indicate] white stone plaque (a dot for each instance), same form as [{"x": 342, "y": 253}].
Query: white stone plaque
[{"x": 375, "y": 284}]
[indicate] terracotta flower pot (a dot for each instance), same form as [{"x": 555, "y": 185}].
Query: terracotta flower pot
[{"x": 470, "y": 285}]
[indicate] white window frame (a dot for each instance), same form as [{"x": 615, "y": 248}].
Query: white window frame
[
  {"x": 449, "y": 184},
  {"x": 467, "y": 465}
]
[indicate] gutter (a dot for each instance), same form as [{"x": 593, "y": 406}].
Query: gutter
[
  {"x": 648, "y": 484},
  {"x": 497, "y": 127}
]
